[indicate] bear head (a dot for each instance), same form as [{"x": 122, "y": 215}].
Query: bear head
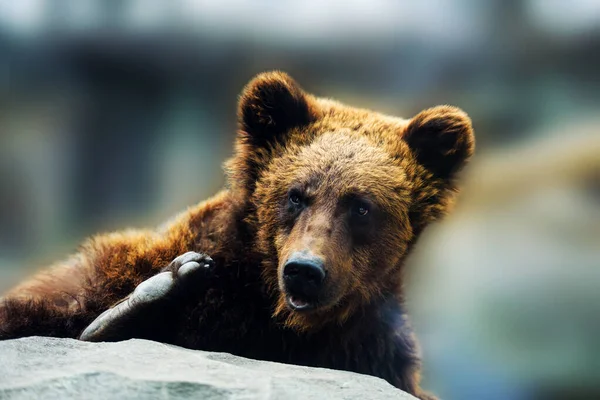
[{"x": 338, "y": 195}]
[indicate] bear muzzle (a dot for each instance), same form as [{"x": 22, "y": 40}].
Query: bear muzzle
[{"x": 303, "y": 277}]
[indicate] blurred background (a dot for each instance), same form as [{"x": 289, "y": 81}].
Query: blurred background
[{"x": 120, "y": 113}]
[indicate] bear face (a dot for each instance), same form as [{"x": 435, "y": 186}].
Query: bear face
[
  {"x": 338, "y": 195},
  {"x": 338, "y": 203}
]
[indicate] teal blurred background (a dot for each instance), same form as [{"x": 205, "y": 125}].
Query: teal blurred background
[{"x": 120, "y": 113}]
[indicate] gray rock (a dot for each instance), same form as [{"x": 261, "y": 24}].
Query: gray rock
[{"x": 50, "y": 368}]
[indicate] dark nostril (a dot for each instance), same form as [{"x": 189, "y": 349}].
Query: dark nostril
[
  {"x": 291, "y": 269},
  {"x": 314, "y": 274}
]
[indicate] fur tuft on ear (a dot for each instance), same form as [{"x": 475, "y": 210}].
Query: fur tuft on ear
[
  {"x": 442, "y": 139},
  {"x": 271, "y": 104}
]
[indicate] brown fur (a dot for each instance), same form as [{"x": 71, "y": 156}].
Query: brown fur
[{"x": 332, "y": 154}]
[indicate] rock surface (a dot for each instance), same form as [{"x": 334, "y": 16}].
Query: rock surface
[{"x": 50, "y": 368}]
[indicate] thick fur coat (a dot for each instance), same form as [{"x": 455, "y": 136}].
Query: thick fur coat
[{"x": 349, "y": 187}]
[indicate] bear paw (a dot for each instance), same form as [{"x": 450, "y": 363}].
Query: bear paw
[{"x": 151, "y": 300}]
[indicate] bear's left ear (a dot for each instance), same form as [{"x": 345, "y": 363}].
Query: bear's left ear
[
  {"x": 271, "y": 104},
  {"x": 442, "y": 139}
]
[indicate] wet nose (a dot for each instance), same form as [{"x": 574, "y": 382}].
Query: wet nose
[{"x": 304, "y": 275}]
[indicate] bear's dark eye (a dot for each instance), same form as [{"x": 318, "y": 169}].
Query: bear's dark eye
[
  {"x": 295, "y": 198},
  {"x": 363, "y": 218},
  {"x": 361, "y": 209}
]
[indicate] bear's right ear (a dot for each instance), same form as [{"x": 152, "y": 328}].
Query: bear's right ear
[
  {"x": 442, "y": 139},
  {"x": 270, "y": 105}
]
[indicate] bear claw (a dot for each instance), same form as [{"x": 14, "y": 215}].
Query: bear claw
[{"x": 189, "y": 263}]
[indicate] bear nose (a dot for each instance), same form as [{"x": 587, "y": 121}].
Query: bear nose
[{"x": 304, "y": 275}]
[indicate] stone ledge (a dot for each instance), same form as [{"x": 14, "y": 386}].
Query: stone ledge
[{"x": 50, "y": 368}]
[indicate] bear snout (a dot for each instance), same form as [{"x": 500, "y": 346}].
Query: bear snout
[{"x": 303, "y": 276}]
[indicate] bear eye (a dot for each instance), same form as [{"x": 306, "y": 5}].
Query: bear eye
[
  {"x": 295, "y": 198},
  {"x": 361, "y": 209}
]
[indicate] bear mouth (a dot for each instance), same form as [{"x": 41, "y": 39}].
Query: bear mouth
[{"x": 298, "y": 303}]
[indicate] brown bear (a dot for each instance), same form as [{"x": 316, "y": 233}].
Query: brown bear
[{"x": 299, "y": 260}]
